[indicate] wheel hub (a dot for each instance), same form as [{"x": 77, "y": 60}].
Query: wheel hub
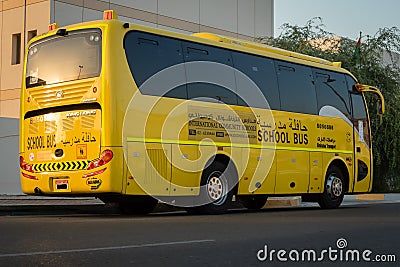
[
  {"x": 334, "y": 186},
  {"x": 215, "y": 188}
]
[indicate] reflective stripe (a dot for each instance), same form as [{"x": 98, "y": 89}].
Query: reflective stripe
[
  {"x": 207, "y": 143},
  {"x": 61, "y": 166}
]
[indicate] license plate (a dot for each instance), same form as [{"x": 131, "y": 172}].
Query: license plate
[{"x": 61, "y": 184}]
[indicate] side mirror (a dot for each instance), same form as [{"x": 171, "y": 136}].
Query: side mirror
[{"x": 380, "y": 101}]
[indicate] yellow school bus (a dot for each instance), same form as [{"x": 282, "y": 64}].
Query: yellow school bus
[{"x": 135, "y": 115}]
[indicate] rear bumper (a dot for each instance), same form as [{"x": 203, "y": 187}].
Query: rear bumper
[{"x": 108, "y": 178}]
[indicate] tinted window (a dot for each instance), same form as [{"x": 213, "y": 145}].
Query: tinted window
[
  {"x": 296, "y": 88},
  {"x": 149, "y": 54},
  {"x": 262, "y": 72},
  {"x": 360, "y": 118},
  {"x": 359, "y": 110},
  {"x": 209, "y": 73},
  {"x": 350, "y": 83},
  {"x": 332, "y": 91},
  {"x": 58, "y": 59}
]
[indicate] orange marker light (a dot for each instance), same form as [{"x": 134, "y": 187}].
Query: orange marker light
[
  {"x": 53, "y": 26},
  {"x": 110, "y": 14}
]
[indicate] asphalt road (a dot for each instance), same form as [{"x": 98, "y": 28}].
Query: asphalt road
[{"x": 178, "y": 239}]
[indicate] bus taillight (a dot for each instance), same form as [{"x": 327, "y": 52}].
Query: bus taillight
[
  {"x": 25, "y": 166},
  {"x": 106, "y": 156},
  {"x": 94, "y": 173}
]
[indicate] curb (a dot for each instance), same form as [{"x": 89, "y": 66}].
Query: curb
[
  {"x": 370, "y": 197},
  {"x": 61, "y": 206},
  {"x": 44, "y": 205},
  {"x": 54, "y": 209},
  {"x": 281, "y": 202}
]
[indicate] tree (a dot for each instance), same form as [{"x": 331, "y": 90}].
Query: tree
[{"x": 375, "y": 63}]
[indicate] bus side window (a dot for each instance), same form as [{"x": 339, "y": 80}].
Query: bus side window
[
  {"x": 332, "y": 91},
  {"x": 209, "y": 74},
  {"x": 359, "y": 112},
  {"x": 261, "y": 72},
  {"x": 360, "y": 118},
  {"x": 156, "y": 63},
  {"x": 296, "y": 88}
]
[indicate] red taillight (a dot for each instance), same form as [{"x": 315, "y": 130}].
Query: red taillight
[
  {"x": 29, "y": 176},
  {"x": 94, "y": 173},
  {"x": 25, "y": 166},
  {"x": 106, "y": 156}
]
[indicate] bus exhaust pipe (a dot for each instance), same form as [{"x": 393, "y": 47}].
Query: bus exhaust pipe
[{"x": 37, "y": 191}]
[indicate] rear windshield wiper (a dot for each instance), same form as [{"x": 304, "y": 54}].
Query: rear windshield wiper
[{"x": 39, "y": 82}]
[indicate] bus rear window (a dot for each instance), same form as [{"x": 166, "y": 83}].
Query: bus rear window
[{"x": 56, "y": 59}]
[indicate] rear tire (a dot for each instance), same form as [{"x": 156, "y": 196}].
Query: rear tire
[
  {"x": 253, "y": 202},
  {"x": 333, "y": 193},
  {"x": 217, "y": 189}
]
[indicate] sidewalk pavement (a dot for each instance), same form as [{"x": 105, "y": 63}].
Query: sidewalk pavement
[
  {"x": 10, "y": 204},
  {"x": 24, "y": 204}
]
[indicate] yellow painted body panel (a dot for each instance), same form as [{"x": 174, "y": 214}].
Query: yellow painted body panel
[{"x": 161, "y": 145}]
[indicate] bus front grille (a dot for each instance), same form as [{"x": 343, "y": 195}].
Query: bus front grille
[{"x": 55, "y": 95}]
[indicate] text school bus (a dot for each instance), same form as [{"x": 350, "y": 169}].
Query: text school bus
[{"x": 133, "y": 115}]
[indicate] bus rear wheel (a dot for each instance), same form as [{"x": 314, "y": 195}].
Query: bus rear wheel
[
  {"x": 253, "y": 202},
  {"x": 216, "y": 191},
  {"x": 333, "y": 193}
]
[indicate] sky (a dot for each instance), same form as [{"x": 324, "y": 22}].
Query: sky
[{"x": 341, "y": 17}]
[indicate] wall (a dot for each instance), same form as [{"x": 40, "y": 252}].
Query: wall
[
  {"x": 237, "y": 18},
  {"x": 13, "y": 21},
  {"x": 10, "y": 82},
  {"x": 9, "y": 158}
]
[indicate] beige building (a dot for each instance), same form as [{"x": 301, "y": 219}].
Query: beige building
[{"x": 20, "y": 20}]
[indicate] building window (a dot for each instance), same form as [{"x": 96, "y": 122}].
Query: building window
[
  {"x": 31, "y": 34},
  {"x": 16, "y": 49}
]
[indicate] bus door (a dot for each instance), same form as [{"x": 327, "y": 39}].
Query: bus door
[{"x": 362, "y": 145}]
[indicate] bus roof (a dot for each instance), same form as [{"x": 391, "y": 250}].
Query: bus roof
[
  {"x": 220, "y": 40},
  {"x": 266, "y": 48}
]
